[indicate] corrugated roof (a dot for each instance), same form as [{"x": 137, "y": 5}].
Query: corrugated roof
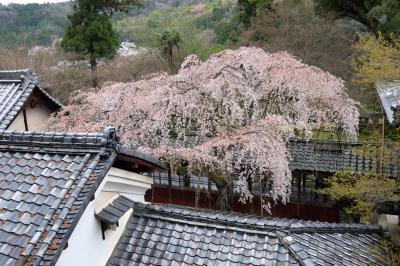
[
  {"x": 389, "y": 94},
  {"x": 15, "y": 88},
  {"x": 46, "y": 181},
  {"x": 175, "y": 235}
]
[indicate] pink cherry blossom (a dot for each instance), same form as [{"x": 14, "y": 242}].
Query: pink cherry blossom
[{"x": 231, "y": 114}]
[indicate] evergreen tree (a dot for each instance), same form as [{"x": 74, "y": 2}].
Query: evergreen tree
[{"x": 91, "y": 33}]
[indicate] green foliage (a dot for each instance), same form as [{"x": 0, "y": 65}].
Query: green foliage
[
  {"x": 198, "y": 27},
  {"x": 364, "y": 192},
  {"x": 379, "y": 58},
  {"x": 32, "y": 23},
  {"x": 224, "y": 21},
  {"x": 91, "y": 32},
  {"x": 250, "y": 8},
  {"x": 41, "y": 24},
  {"x": 169, "y": 40},
  {"x": 378, "y": 15}
]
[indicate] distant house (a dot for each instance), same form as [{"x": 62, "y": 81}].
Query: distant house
[
  {"x": 78, "y": 199},
  {"x": 23, "y": 104},
  {"x": 389, "y": 94},
  {"x": 311, "y": 161}
]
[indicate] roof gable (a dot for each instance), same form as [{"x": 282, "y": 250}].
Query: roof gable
[
  {"x": 15, "y": 89},
  {"x": 46, "y": 181}
]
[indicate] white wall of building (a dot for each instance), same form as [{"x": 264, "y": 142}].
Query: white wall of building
[
  {"x": 86, "y": 246},
  {"x": 37, "y": 118}
]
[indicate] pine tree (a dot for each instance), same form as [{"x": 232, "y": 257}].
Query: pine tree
[{"x": 91, "y": 33}]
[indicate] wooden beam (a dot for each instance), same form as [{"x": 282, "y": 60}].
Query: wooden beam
[{"x": 25, "y": 119}]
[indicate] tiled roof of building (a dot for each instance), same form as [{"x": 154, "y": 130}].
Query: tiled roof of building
[
  {"x": 113, "y": 211},
  {"x": 174, "y": 235},
  {"x": 46, "y": 181},
  {"x": 330, "y": 156},
  {"x": 389, "y": 94},
  {"x": 15, "y": 89},
  {"x": 326, "y": 156}
]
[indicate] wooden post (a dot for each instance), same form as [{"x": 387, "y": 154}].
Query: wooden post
[
  {"x": 25, "y": 119},
  {"x": 261, "y": 203},
  {"x": 298, "y": 186},
  {"x": 196, "y": 197},
  {"x": 152, "y": 188},
  {"x": 209, "y": 192},
  {"x": 169, "y": 185}
]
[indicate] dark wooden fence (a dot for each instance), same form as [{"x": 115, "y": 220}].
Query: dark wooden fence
[{"x": 202, "y": 199}]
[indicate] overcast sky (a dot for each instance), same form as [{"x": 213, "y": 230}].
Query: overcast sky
[{"x": 4, "y": 2}]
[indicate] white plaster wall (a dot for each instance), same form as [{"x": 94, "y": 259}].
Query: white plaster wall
[
  {"x": 18, "y": 123},
  {"x": 37, "y": 118},
  {"x": 86, "y": 246},
  {"x": 128, "y": 184}
]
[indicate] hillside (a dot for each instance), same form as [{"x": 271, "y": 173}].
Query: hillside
[
  {"x": 40, "y": 24},
  {"x": 205, "y": 27}
]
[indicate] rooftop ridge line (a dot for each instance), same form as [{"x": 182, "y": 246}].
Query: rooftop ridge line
[
  {"x": 107, "y": 138},
  {"x": 289, "y": 225},
  {"x": 27, "y": 85}
]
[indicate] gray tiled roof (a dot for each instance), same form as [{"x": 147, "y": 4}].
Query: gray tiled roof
[
  {"x": 46, "y": 181},
  {"x": 174, "y": 235},
  {"x": 330, "y": 156},
  {"x": 15, "y": 88},
  {"x": 389, "y": 94}
]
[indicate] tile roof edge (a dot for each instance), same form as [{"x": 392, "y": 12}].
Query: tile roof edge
[
  {"x": 284, "y": 242},
  {"x": 141, "y": 155},
  {"x": 36, "y": 242},
  {"x": 15, "y": 74},
  {"x": 84, "y": 205},
  {"x": 122, "y": 200},
  {"x": 27, "y": 85},
  {"x": 26, "y": 76},
  {"x": 49, "y": 97},
  {"x": 294, "y": 226},
  {"x": 330, "y": 141},
  {"x": 108, "y": 138}
]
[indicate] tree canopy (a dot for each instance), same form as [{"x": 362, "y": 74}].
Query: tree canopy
[
  {"x": 379, "y": 59},
  {"x": 91, "y": 32},
  {"x": 228, "y": 117},
  {"x": 379, "y": 15}
]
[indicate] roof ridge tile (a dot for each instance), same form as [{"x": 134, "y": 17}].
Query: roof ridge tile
[{"x": 107, "y": 138}]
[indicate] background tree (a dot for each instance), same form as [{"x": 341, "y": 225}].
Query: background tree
[
  {"x": 91, "y": 33},
  {"x": 378, "y": 15},
  {"x": 250, "y": 8},
  {"x": 363, "y": 192},
  {"x": 379, "y": 59},
  {"x": 228, "y": 118},
  {"x": 169, "y": 42}
]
